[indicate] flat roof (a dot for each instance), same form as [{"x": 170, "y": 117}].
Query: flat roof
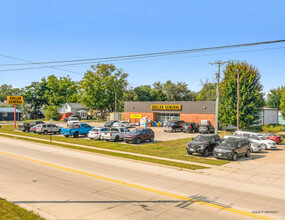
[{"x": 9, "y": 110}]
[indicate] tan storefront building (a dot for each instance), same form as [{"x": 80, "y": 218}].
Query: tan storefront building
[{"x": 188, "y": 111}]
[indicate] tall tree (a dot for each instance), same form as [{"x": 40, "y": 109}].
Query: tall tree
[
  {"x": 282, "y": 103},
  {"x": 208, "y": 91},
  {"x": 101, "y": 85},
  {"x": 178, "y": 92},
  {"x": 251, "y": 97},
  {"x": 8, "y": 90},
  {"x": 35, "y": 96},
  {"x": 274, "y": 97},
  {"x": 60, "y": 90}
]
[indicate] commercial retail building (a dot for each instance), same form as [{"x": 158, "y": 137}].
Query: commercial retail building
[{"x": 190, "y": 111}]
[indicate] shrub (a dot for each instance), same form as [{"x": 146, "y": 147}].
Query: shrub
[
  {"x": 52, "y": 113},
  {"x": 273, "y": 128}
]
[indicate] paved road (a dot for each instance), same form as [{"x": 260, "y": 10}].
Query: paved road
[{"x": 64, "y": 184}]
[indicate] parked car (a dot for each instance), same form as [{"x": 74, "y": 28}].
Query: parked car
[
  {"x": 122, "y": 124},
  {"x": 25, "y": 127},
  {"x": 203, "y": 144},
  {"x": 71, "y": 120},
  {"x": 173, "y": 126},
  {"x": 190, "y": 127},
  {"x": 95, "y": 133},
  {"x": 72, "y": 116},
  {"x": 258, "y": 139},
  {"x": 34, "y": 128},
  {"x": 253, "y": 145},
  {"x": 76, "y": 130},
  {"x": 47, "y": 128},
  {"x": 34, "y": 123},
  {"x": 274, "y": 137},
  {"x": 206, "y": 129},
  {"x": 232, "y": 148},
  {"x": 139, "y": 135},
  {"x": 110, "y": 123},
  {"x": 115, "y": 134}
]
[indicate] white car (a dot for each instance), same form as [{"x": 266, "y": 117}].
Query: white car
[
  {"x": 72, "y": 120},
  {"x": 122, "y": 124},
  {"x": 95, "y": 133},
  {"x": 257, "y": 138},
  {"x": 253, "y": 146}
]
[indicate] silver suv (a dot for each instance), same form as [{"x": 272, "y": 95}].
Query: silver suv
[{"x": 47, "y": 128}]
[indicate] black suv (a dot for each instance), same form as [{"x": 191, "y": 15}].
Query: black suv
[
  {"x": 190, "y": 127},
  {"x": 232, "y": 148},
  {"x": 206, "y": 129},
  {"x": 203, "y": 144},
  {"x": 173, "y": 126}
]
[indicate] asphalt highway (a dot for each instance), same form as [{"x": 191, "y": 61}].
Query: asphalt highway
[{"x": 59, "y": 183}]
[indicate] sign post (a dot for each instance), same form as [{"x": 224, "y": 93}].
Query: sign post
[{"x": 15, "y": 100}]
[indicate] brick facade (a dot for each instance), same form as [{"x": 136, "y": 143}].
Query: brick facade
[{"x": 198, "y": 117}]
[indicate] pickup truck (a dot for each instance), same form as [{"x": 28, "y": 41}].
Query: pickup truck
[
  {"x": 76, "y": 130},
  {"x": 116, "y": 134}
]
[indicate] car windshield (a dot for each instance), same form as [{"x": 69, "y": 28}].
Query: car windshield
[
  {"x": 136, "y": 131},
  {"x": 229, "y": 144},
  {"x": 95, "y": 129},
  {"x": 262, "y": 137},
  {"x": 202, "y": 138}
]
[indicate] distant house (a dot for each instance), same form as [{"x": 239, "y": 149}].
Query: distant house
[
  {"x": 268, "y": 116},
  {"x": 7, "y": 114},
  {"x": 69, "y": 109}
]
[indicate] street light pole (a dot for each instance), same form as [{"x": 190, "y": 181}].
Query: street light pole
[
  {"x": 115, "y": 101},
  {"x": 218, "y": 74},
  {"x": 238, "y": 97}
]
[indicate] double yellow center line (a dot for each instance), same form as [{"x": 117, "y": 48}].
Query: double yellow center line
[{"x": 141, "y": 187}]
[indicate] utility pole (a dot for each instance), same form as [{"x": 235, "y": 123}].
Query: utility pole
[
  {"x": 115, "y": 101},
  {"x": 217, "y": 76},
  {"x": 238, "y": 97}
]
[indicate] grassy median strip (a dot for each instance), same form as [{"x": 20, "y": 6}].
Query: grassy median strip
[
  {"x": 128, "y": 156},
  {"x": 175, "y": 149},
  {"x": 9, "y": 210}
]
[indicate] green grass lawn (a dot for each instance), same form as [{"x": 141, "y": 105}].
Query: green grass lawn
[
  {"x": 11, "y": 211},
  {"x": 175, "y": 149}
]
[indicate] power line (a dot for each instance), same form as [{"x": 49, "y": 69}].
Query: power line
[
  {"x": 147, "y": 55},
  {"x": 30, "y": 62}
]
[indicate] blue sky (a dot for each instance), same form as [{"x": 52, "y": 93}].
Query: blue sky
[{"x": 62, "y": 30}]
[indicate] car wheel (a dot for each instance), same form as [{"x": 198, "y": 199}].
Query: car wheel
[
  {"x": 138, "y": 141},
  {"x": 173, "y": 130},
  {"x": 206, "y": 152},
  {"x": 247, "y": 153},
  {"x": 91, "y": 138},
  {"x": 263, "y": 146},
  {"x": 76, "y": 134},
  {"x": 151, "y": 139},
  {"x": 45, "y": 132},
  {"x": 117, "y": 138},
  {"x": 235, "y": 156},
  {"x": 66, "y": 136},
  {"x": 189, "y": 153}
]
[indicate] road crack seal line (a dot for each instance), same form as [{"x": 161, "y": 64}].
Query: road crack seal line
[{"x": 193, "y": 200}]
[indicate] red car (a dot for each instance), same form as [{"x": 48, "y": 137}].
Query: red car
[{"x": 274, "y": 137}]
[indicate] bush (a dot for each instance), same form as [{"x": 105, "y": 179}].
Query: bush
[
  {"x": 52, "y": 113},
  {"x": 273, "y": 128}
]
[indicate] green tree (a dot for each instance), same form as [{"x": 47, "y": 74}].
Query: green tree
[
  {"x": 251, "y": 97},
  {"x": 8, "y": 90},
  {"x": 178, "y": 92},
  {"x": 34, "y": 95},
  {"x": 100, "y": 86},
  {"x": 274, "y": 97},
  {"x": 60, "y": 90},
  {"x": 52, "y": 113},
  {"x": 282, "y": 103},
  {"x": 208, "y": 91}
]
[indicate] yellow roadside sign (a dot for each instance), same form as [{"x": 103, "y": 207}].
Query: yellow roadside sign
[{"x": 15, "y": 100}]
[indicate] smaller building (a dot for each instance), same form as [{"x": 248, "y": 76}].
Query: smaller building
[
  {"x": 69, "y": 109},
  {"x": 7, "y": 114},
  {"x": 268, "y": 116}
]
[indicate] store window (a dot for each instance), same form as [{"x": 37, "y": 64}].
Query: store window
[
  {"x": 5, "y": 114},
  {"x": 163, "y": 117}
]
